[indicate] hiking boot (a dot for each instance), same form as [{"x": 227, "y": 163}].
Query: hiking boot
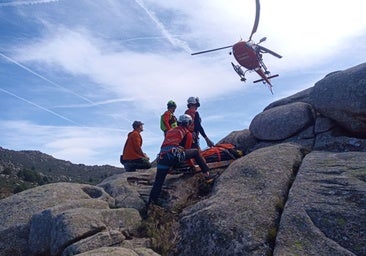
[
  {"x": 210, "y": 178},
  {"x": 158, "y": 202}
]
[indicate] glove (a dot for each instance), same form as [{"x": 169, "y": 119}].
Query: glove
[
  {"x": 209, "y": 142},
  {"x": 146, "y": 157}
]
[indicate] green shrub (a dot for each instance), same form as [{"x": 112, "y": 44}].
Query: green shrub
[
  {"x": 7, "y": 171},
  {"x": 30, "y": 176},
  {"x": 162, "y": 227},
  {"x": 20, "y": 188}
]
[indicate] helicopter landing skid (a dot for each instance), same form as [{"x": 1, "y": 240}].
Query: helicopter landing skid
[
  {"x": 239, "y": 71},
  {"x": 262, "y": 80},
  {"x": 268, "y": 84}
]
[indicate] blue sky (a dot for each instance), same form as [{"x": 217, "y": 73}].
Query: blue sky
[{"x": 75, "y": 74}]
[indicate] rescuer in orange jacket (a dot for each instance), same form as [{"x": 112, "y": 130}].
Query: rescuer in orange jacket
[
  {"x": 192, "y": 105},
  {"x": 176, "y": 149},
  {"x": 133, "y": 157},
  {"x": 168, "y": 119}
]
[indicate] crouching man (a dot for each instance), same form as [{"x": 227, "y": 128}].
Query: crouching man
[{"x": 176, "y": 149}]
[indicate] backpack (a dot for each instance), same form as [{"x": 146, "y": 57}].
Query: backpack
[
  {"x": 162, "y": 125},
  {"x": 172, "y": 121}
]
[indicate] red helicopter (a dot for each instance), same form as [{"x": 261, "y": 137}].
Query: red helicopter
[{"x": 249, "y": 55}]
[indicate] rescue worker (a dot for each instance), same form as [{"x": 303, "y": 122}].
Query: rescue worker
[
  {"x": 176, "y": 148},
  {"x": 168, "y": 119},
  {"x": 133, "y": 157},
  {"x": 192, "y": 105}
]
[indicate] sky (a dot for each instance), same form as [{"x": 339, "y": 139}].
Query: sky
[{"x": 75, "y": 74}]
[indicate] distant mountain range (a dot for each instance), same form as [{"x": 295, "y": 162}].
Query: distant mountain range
[{"x": 20, "y": 170}]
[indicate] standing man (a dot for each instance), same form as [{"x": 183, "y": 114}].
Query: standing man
[
  {"x": 176, "y": 149},
  {"x": 192, "y": 104},
  {"x": 132, "y": 156},
  {"x": 168, "y": 119}
]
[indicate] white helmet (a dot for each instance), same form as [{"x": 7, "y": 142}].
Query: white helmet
[
  {"x": 193, "y": 101},
  {"x": 185, "y": 120}
]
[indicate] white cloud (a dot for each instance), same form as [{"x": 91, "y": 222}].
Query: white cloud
[
  {"x": 144, "y": 77},
  {"x": 174, "y": 41},
  {"x": 32, "y": 2},
  {"x": 93, "y": 104}
]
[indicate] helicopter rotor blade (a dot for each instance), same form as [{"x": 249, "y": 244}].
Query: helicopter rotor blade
[
  {"x": 256, "y": 21},
  {"x": 212, "y": 50},
  {"x": 265, "y": 50}
]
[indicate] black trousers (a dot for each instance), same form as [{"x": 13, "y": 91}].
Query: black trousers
[
  {"x": 163, "y": 168},
  {"x": 132, "y": 165}
]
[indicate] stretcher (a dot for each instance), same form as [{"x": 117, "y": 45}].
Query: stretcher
[{"x": 196, "y": 169}]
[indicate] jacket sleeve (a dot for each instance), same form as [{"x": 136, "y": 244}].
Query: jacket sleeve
[
  {"x": 197, "y": 125},
  {"x": 166, "y": 119},
  {"x": 189, "y": 140},
  {"x": 188, "y": 145}
]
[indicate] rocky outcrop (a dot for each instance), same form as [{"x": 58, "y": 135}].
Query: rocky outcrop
[
  {"x": 326, "y": 207},
  {"x": 341, "y": 96},
  {"x": 244, "y": 208},
  {"x": 330, "y": 116},
  {"x": 298, "y": 190},
  {"x": 62, "y": 219}
]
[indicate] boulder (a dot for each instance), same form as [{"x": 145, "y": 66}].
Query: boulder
[
  {"x": 242, "y": 140},
  {"x": 325, "y": 213},
  {"x": 282, "y": 122},
  {"x": 341, "y": 97},
  {"x": 328, "y": 142},
  {"x": 122, "y": 187},
  {"x": 98, "y": 240},
  {"x": 80, "y": 229},
  {"x": 241, "y": 215},
  {"x": 19, "y": 208},
  {"x": 41, "y": 223},
  {"x": 118, "y": 251},
  {"x": 302, "y": 96},
  {"x": 323, "y": 124},
  {"x": 65, "y": 219}
]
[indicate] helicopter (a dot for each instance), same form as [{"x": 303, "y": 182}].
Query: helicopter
[{"x": 249, "y": 55}]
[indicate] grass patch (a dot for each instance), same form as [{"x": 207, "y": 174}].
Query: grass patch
[
  {"x": 271, "y": 237},
  {"x": 161, "y": 224},
  {"x": 162, "y": 227}
]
